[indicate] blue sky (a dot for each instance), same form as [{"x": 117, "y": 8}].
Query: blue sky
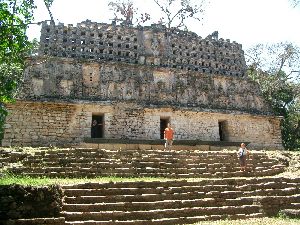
[{"x": 247, "y": 22}]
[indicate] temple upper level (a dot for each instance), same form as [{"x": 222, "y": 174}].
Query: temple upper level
[{"x": 153, "y": 45}]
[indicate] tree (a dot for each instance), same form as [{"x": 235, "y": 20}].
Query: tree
[
  {"x": 176, "y": 12},
  {"x": 15, "y": 16},
  {"x": 48, "y": 4},
  {"x": 276, "y": 69},
  {"x": 125, "y": 12}
]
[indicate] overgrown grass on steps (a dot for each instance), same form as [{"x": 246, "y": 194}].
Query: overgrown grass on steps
[
  {"x": 9, "y": 178},
  {"x": 254, "y": 221}
]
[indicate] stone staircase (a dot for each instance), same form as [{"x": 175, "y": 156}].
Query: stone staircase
[
  {"x": 178, "y": 201},
  {"x": 220, "y": 190},
  {"x": 173, "y": 202},
  {"x": 84, "y": 162},
  {"x": 9, "y": 157}
]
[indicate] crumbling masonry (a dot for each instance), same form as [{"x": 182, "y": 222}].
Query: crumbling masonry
[{"x": 134, "y": 80}]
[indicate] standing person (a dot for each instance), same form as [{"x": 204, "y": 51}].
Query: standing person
[
  {"x": 168, "y": 136},
  {"x": 243, "y": 152},
  {"x": 94, "y": 129}
]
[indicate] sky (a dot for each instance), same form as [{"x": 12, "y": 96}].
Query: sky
[{"x": 248, "y": 22}]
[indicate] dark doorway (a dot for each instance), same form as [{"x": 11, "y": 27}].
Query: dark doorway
[
  {"x": 163, "y": 125},
  {"x": 222, "y": 130},
  {"x": 97, "y": 129}
]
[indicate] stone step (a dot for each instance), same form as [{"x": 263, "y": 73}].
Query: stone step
[
  {"x": 145, "y": 172},
  {"x": 90, "y": 199},
  {"x": 140, "y": 167},
  {"x": 175, "y": 202},
  {"x": 273, "y": 192},
  {"x": 162, "y": 164},
  {"x": 180, "y": 189},
  {"x": 267, "y": 185},
  {"x": 157, "y": 172},
  {"x": 243, "y": 182},
  {"x": 145, "y": 163},
  {"x": 293, "y": 206},
  {"x": 147, "y": 153},
  {"x": 144, "y": 151},
  {"x": 131, "y": 198},
  {"x": 157, "y": 214},
  {"x": 169, "y": 221},
  {"x": 140, "y": 191},
  {"x": 147, "y": 159},
  {"x": 154, "y": 205}
]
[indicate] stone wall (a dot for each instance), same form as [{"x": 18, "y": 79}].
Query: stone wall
[
  {"x": 73, "y": 79},
  {"x": 24, "y": 202},
  {"x": 57, "y": 123},
  {"x": 154, "y": 45}
]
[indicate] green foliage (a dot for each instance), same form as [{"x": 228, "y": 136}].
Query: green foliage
[
  {"x": 267, "y": 66},
  {"x": 15, "y": 16},
  {"x": 9, "y": 178},
  {"x": 14, "y": 46},
  {"x": 253, "y": 221}
]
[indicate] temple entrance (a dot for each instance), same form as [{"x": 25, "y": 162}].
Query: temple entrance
[
  {"x": 163, "y": 125},
  {"x": 97, "y": 129},
  {"x": 222, "y": 130}
]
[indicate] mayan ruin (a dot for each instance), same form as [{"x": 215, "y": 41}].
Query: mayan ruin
[
  {"x": 134, "y": 80},
  {"x": 156, "y": 112}
]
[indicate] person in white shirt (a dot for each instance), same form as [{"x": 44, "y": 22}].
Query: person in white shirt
[{"x": 243, "y": 152}]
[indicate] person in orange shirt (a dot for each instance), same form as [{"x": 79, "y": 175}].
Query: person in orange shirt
[{"x": 168, "y": 136}]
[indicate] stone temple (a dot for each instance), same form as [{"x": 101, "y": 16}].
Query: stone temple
[{"x": 133, "y": 81}]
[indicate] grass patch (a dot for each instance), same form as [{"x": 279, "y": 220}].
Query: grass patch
[
  {"x": 254, "y": 221},
  {"x": 9, "y": 179}
]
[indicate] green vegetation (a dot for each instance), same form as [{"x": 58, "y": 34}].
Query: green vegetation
[
  {"x": 256, "y": 221},
  {"x": 14, "y": 46},
  {"x": 8, "y": 179},
  {"x": 276, "y": 69},
  {"x": 15, "y": 16}
]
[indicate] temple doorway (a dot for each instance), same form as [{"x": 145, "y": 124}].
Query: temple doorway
[
  {"x": 222, "y": 130},
  {"x": 97, "y": 130},
  {"x": 163, "y": 124}
]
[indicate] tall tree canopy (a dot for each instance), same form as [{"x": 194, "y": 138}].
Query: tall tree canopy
[
  {"x": 15, "y": 16},
  {"x": 276, "y": 68}
]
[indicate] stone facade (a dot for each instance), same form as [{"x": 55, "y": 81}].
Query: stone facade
[
  {"x": 108, "y": 81},
  {"x": 66, "y": 124},
  {"x": 155, "y": 45},
  {"x": 143, "y": 82}
]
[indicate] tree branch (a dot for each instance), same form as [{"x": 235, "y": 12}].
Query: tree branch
[{"x": 48, "y": 4}]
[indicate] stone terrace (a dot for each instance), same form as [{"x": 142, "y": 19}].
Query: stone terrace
[
  {"x": 173, "y": 202},
  {"x": 222, "y": 192},
  {"x": 178, "y": 202},
  {"x": 92, "y": 162}
]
